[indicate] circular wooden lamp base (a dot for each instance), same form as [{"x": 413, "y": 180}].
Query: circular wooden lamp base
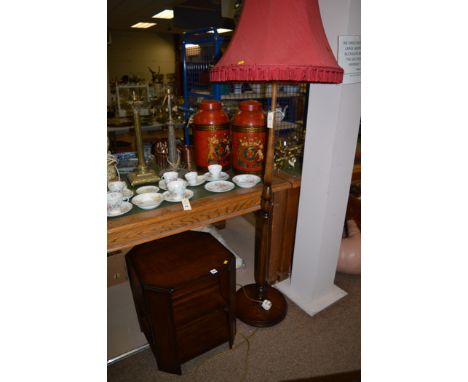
[{"x": 251, "y": 312}]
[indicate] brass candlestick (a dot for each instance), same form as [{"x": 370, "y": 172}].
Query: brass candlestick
[
  {"x": 173, "y": 158},
  {"x": 143, "y": 173}
]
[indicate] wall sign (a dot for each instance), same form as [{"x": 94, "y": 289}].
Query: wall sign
[{"x": 349, "y": 58}]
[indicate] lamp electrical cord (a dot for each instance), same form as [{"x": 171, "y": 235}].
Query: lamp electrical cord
[
  {"x": 248, "y": 297},
  {"x": 246, "y": 360},
  {"x": 246, "y": 340}
]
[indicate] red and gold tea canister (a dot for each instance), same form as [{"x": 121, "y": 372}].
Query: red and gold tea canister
[
  {"x": 211, "y": 135},
  {"x": 249, "y": 138}
]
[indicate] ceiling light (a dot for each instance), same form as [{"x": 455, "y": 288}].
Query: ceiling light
[
  {"x": 192, "y": 50},
  {"x": 143, "y": 25},
  {"x": 221, "y": 30},
  {"x": 166, "y": 14}
]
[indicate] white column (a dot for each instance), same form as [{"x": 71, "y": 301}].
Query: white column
[{"x": 332, "y": 128}]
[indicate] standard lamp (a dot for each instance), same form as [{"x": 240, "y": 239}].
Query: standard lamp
[
  {"x": 274, "y": 41},
  {"x": 143, "y": 173}
]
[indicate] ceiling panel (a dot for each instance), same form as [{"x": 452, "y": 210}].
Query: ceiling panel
[{"x": 122, "y": 14}]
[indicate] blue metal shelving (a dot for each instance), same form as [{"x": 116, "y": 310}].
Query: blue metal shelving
[{"x": 196, "y": 69}]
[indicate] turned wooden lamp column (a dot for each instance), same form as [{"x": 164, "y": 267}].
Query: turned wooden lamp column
[
  {"x": 275, "y": 40},
  {"x": 250, "y": 297}
]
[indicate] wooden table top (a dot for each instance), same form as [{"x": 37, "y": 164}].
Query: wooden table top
[{"x": 170, "y": 218}]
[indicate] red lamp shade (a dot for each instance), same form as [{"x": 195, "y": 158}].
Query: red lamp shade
[{"x": 278, "y": 40}]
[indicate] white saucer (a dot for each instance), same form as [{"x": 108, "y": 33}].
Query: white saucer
[
  {"x": 219, "y": 186},
  {"x": 169, "y": 197},
  {"x": 126, "y": 206},
  {"x": 222, "y": 176},
  {"x": 162, "y": 183},
  {"x": 200, "y": 180}
]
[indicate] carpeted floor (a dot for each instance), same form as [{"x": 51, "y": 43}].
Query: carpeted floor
[{"x": 299, "y": 347}]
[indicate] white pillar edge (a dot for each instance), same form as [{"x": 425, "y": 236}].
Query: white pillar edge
[{"x": 315, "y": 304}]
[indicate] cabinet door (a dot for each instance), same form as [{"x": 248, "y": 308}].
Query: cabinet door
[
  {"x": 284, "y": 233},
  {"x": 116, "y": 270},
  {"x": 203, "y": 334}
]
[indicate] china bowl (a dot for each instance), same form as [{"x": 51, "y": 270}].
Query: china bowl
[
  {"x": 148, "y": 200},
  {"x": 246, "y": 180},
  {"x": 147, "y": 189}
]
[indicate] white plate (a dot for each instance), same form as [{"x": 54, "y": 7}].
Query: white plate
[
  {"x": 222, "y": 176},
  {"x": 162, "y": 184},
  {"x": 127, "y": 194},
  {"x": 126, "y": 206},
  {"x": 169, "y": 197},
  {"x": 246, "y": 180},
  {"x": 200, "y": 180},
  {"x": 219, "y": 186},
  {"x": 144, "y": 189},
  {"x": 148, "y": 200}
]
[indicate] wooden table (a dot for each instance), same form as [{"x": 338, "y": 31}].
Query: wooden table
[{"x": 130, "y": 230}]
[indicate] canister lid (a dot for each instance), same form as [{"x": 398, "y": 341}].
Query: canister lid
[
  {"x": 250, "y": 105},
  {"x": 210, "y": 104}
]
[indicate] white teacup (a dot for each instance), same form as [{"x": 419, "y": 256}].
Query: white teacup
[
  {"x": 177, "y": 188},
  {"x": 114, "y": 203},
  {"x": 192, "y": 177},
  {"x": 117, "y": 186},
  {"x": 215, "y": 170},
  {"x": 170, "y": 176}
]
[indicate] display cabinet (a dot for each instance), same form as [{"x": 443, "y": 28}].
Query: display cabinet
[
  {"x": 201, "y": 48},
  {"x": 290, "y": 116},
  {"x": 123, "y": 95},
  {"x": 200, "y": 52}
]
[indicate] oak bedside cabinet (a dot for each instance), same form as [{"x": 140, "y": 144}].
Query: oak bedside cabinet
[{"x": 184, "y": 292}]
